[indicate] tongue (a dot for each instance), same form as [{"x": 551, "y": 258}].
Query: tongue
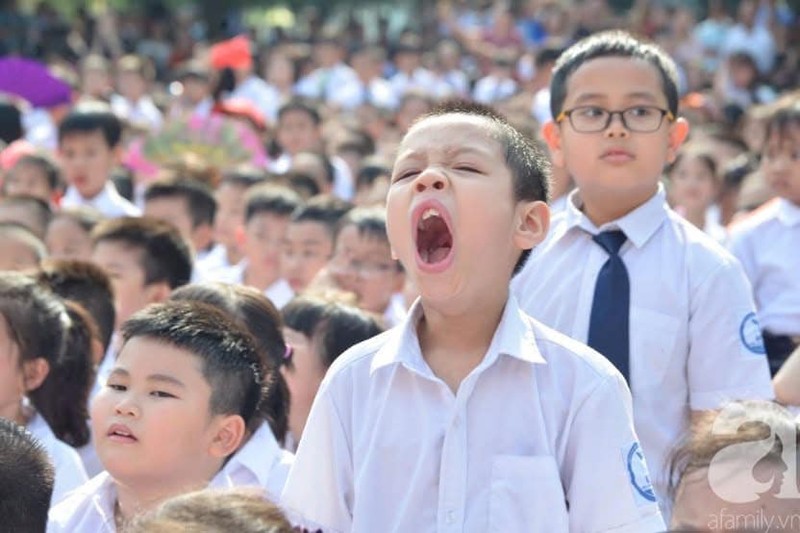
[{"x": 434, "y": 240}]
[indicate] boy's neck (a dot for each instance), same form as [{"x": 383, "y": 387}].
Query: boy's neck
[
  {"x": 455, "y": 341},
  {"x": 696, "y": 217},
  {"x": 602, "y": 209},
  {"x": 133, "y": 500}
]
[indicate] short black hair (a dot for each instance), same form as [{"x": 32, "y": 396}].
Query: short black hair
[
  {"x": 86, "y": 283},
  {"x": 333, "y": 327},
  {"x": 782, "y": 119},
  {"x": 270, "y": 198},
  {"x": 26, "y": 480},
  {"x": 166, "y": 256},
  {"x": 370, "y": 172},
  {"x": 10, "y": 121},
  {"x": 199, "y": 198},
  {"x": 613, "y": 43},
  {"x": 529, "y": 166},
  {"x": 244, "y": 176},
  {"x": 303, "y": 105},
  {"x": 369, "y": 221},
  {"x": 259, "y": 317},
  {"x": 325, "y": 210},
  {"x": 90, "y": 117},
  {"x": 230, "y": 361}
]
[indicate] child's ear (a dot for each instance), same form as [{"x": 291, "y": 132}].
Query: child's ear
[
  {"x": 34, "y": 373},
  {"x": 532, "y": 224},
  {"x": 116, "y": 153},
  {"x": 551, "y": 132},
  {"x": 239, "y": 236},
  {"x": 678, "y": 132},
  {"x": 230, "y": 431},
  {"x": 157, "y": 292}
]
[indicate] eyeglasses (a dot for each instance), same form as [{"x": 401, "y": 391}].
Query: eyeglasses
[{"x": 592, "y": 119}]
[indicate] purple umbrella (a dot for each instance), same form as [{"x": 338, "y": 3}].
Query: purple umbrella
[{"x": 33, "y": 82}]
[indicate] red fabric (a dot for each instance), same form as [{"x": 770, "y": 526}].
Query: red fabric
[{"x": 233, "y": 53}]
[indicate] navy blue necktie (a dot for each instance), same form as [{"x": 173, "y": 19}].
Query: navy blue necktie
[{"x": 608, "y": 325}]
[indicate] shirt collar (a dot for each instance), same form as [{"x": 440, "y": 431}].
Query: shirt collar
[
  {"x": 104, "y": 498},
  {"x": 257, "y": 454},
  {"x": 788, "y": 212},
  {"x": 514, "y": 337},
  {"x": 638, "y": 225},
  {"x": 106, "y": 195}
]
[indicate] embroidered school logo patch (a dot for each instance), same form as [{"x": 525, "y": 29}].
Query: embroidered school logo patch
[
  {"x": 750, "y": 334},
  {"x": 638, "y": 475}
]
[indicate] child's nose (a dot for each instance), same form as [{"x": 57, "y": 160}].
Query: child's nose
[
  {"x": 430, "y": 179},
  {"x": 616, "y": 128},
  {"x": 126, "y": 407}
]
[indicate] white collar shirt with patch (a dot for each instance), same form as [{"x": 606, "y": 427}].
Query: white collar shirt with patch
[
  {"x": 768, "y": 246},
  {"x": 108, "y": 202},
  {"x": 259, "y": 463},
  {"x": 539, "y": 437},
  {"x": 694, "y": 340}
]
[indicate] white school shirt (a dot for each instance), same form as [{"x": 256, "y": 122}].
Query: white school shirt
[
  {"x": 768, "y": 246},
  {"x": 90, "y": 508},
  {"x": 279, "y": 293},
  {"x": 108, "y": 202},
  {"x": 694, "y": 342},
  {"x": 69, "y": 471},
  {"x": 539, "y": 437},
  {"x": 143, "y": 112},
  {"x": 260, "y": 462}
]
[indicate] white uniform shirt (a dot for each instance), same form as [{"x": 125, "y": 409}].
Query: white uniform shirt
[
  {"x": 378, "y": 92},
  {"x": 108, "y": 202},
  {"x": 88, "y": 509},
  {"x": 279, "y": 293},
  {"x": 69, "y": 471},
  {"x": 491, "y": 89},
  {"x": 768, "y": 246},
  {"x": 141, "y": 113},
  {"x": 694, "y": 342},
  {"x": 540, "y": 422},
  {"x": 260, "y": 462},
  {"x": 265, "y": 97}
]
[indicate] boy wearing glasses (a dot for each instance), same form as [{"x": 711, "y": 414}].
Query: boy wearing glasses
[
  {"x": 363, "y": 264},
  {"x": 621, "y": 271}
]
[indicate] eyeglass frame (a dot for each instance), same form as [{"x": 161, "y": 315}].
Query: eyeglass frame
[{"x": 567, "y": 113}]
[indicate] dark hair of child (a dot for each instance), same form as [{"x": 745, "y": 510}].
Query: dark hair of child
[
  {"x": 259, "y": 317},
  {"x": 199, "y": 198},
  {"x": 90, "y": 117},
  {"x": 274, "y": 199}
]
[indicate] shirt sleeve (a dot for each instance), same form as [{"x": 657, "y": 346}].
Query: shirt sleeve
[
  {"x": 739, "y": 247},
  {"x": 319, "y": 490},
  {"x": 727, "y": 359},
  {"x": 605, "y": 475}
]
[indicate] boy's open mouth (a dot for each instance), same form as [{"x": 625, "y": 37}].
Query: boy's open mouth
[{"x": 434, "y": 238}]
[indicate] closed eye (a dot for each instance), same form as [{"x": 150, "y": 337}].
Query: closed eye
[
  {"x": 467, "y": 168},
  {"x": 162, "y": 394},
  {"x": 406, "y": 174}
]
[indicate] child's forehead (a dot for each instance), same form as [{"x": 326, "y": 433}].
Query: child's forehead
[
  {"x": 84, "y": 137},
  {"x": 614, "y": 76},
  {"x": 453, "y": 132}
]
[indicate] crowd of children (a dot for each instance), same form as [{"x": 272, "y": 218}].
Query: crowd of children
[{"x": 405, "y": 311}]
